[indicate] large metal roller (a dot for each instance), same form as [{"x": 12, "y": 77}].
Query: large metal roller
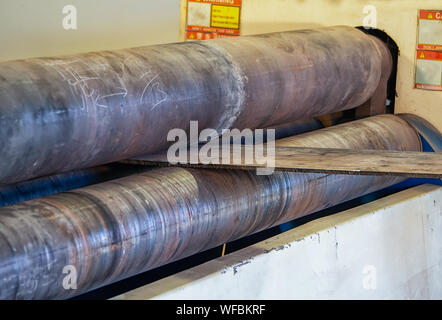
[
  {"x": 63, "y": 113},
  {"x": 119, "y": 228},
  {"x": 45, "y": 186}
]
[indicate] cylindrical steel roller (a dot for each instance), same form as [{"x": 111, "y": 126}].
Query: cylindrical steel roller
[
  {"x": 45, "y": 186},
  {"x": 69, "y": 112},
  {"x": 119, "y": 228}
]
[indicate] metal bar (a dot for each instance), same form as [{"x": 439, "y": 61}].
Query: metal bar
[
  {"x": 119, "y": 228},
  {"x": 113, "y": 105}
]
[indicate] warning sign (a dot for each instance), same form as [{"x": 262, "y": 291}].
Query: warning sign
[
  {"x": 430, "y": 14},
  {"x": 225, "y": 17},
  {"x": 430, "y": 30},
  {"x": 192, "y": 35},
  {"x": 428, "y": 70},
  {"x": 210, "y": 19}
]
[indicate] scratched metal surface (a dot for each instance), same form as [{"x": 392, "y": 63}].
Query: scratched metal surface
[
  {"x": 69, "y": 112},
  {"x": 44, "y": 186},
  {"x": 116, "y": 229},
  {"x": 295, "y": 154},
  {"x": 359, "y": 133}
]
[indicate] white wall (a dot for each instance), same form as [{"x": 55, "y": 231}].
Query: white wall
[{"x": 32, "y": 28}]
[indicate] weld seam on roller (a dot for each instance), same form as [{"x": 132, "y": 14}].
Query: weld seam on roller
[{"x": 113, "y": 105}]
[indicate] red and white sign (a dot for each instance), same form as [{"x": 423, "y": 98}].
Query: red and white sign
[
  {"x": 192, "y": 35},
  {"x": 210, "y": 19},
  {"x": 430, "y": 30},
  {"x": 428, "y": 70},
  {"x": 430, "y": 14}
]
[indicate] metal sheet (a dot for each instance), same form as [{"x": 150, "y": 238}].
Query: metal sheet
[
  {"x": 320, "y": 160},
  {"x": 292, "y": 154}
]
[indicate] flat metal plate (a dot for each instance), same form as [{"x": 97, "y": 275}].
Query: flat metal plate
[{"x": 324, "y": 160}]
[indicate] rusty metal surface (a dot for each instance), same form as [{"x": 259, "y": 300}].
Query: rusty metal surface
[
  {"x": 119, "y": 228},
  {"x": 377, "y": 103},
  {"x": 69, "y": 112},
  {"x": 44, "y": 186},
  {"x": 377, "y": 133}
]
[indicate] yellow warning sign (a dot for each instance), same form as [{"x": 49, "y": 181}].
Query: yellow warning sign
[
  {"x": 225, "y": 17},
  {"x": 430, "y": 16},
  {"x": 212, "y": 19},
  {"x": 422, "y": 56}
]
